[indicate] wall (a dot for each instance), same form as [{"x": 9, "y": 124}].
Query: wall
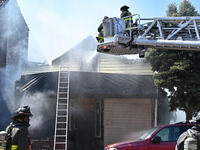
[
  {"x": 13, "y": 55},
  {"x": 123, "y": 118},
  {"x": 120, "y": 64}
]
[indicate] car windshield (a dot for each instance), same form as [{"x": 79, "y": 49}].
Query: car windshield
[{"x": 148, "y": 133}]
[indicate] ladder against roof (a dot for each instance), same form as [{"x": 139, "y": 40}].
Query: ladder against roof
[{"x": 61, "y": 121}]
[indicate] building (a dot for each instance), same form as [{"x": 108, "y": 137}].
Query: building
[
  {"x": 111, "y": 98},
  {"x": 13, "y": 54}
]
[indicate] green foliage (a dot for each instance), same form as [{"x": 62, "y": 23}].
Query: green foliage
[
  {"x": 172, "y": 10},
  {"x": 178, "y": 71},
  {"x": 187, "y": 9}
]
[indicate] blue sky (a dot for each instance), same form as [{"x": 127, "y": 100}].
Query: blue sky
[{"x": 58, "y": 25}]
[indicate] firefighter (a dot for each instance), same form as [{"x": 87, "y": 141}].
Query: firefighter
[
  {"x": 17, "y": 131},
  {"x": 125, "y": 13},
  {"x": 194, "y": 132},
  {"x": 100, "y": 37}
]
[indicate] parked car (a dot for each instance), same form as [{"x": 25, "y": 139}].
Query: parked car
[{"x": 159, "y": 138}]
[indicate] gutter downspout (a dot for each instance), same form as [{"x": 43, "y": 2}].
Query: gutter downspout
[{"x": 156, "y": 110}]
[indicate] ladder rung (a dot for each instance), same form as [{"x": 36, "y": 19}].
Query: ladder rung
[
  {"x": 61, "y": 104},
  {"x": 62, "y": 98},
  {"x": 62, "y": 116},
  {"x": 61, "y": 136},
  {"x": 63, "y": 92},
  {"x": 63, "y": 84},
  {"x": 60, "y": 142},
  {"x": 63, "y": 81},
  {"x": 61, "y": 128},
  {"x": 62, "y": 109},
  {"x": 61, "y": 122},
  {"x": 64, "y": 87}
]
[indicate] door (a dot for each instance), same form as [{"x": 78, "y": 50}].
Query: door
[
  {"x": 169, "y": 136},
  {"x": 85, "y": 129}
]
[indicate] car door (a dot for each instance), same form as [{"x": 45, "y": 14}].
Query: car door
[{"x": 169, "y": 136}]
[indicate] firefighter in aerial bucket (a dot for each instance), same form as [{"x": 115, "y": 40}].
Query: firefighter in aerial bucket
[
  {"x": 190, "y": 139},
  {"x": 125, "y": 13},
  {"x": 17, "y": 131},
  {"x": 100, "y": 37}
]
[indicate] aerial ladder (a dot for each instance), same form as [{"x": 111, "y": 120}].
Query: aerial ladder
[{"x": 177, "y": 33}]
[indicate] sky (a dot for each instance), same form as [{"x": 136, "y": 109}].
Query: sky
[{"x": 58, "y": 25}]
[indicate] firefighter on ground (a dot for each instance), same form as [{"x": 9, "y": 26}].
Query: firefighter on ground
[
  {"x": 18, "y": 130},
  {"x": 184, "y": 143},
  {"x": 125, "y": 13},
  {"x": 100, "y": 37}
]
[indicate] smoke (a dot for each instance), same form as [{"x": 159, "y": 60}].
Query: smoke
[
  {"x": 179, "y": 116},
  {"x": 42, "y": 107},
  {"x": 83, "y": 54},
  {"x": 7, "y": 91},
  {"x": 59, "y": 25},
  {"x": 133, "y": 135},
  {"x": 13, "y": 50}
]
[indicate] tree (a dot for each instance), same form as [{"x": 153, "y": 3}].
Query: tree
[
  {"x": 172, "y": 10},
  {"x": 178, "y": 71},
  {"x": 187, "y": 9}
]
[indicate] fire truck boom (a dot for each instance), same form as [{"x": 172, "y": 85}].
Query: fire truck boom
[{"x": 178, "y": 33}]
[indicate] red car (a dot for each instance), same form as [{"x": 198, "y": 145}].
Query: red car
[{"x": 159, "y": 138}]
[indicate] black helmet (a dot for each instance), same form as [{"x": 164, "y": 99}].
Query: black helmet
[
  {"x": 124, "y": 8},
  {"x": 105, "y": 17},
  {"x": 22, "y": 111}
]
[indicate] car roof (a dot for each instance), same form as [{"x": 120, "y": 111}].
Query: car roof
[{"x": 184, "y": 123}]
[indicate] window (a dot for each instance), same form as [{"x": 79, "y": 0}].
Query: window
[
  {"x": 170, "y": 133},
  {"x": 164, "y": 134}
]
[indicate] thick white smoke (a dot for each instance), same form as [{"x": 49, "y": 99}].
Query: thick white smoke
[{"x": 42, "y": 107}]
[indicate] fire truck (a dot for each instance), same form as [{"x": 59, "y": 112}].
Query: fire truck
[{"x": 178, "y": 33}]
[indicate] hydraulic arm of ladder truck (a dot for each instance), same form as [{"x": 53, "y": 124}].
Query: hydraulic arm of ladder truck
[{"x": 178, "y": 33}]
